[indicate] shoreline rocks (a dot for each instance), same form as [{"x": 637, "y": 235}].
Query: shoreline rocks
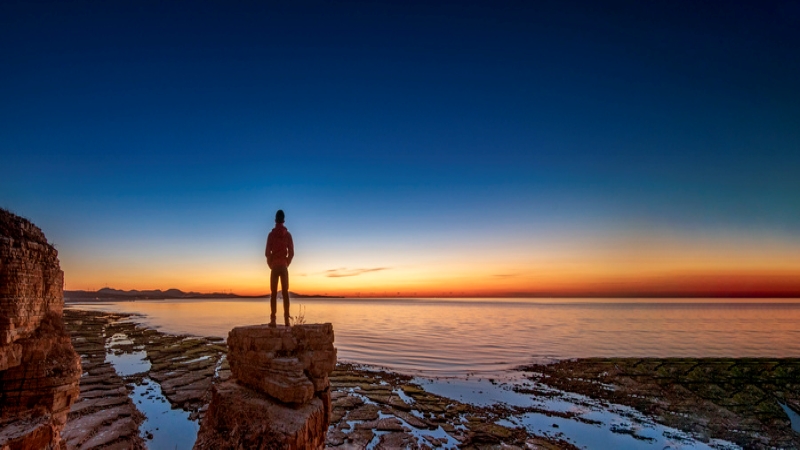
[
  {"x": 241, "y": 418},
  {"x": 39, "y": 369},
  {"x": 735, "y": 399},
  {"x": 279, "y": 392},
  {"x": 289, "y": 364},
  {"x": 104, "y": 416}
]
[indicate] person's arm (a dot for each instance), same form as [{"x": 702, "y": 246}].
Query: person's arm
[
  {"x": 291, "y": 250},
  {"x": 267, "y": 253}
]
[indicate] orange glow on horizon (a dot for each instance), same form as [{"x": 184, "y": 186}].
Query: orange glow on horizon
[
  {"x": 668, "y": 285},
  {"x": 621, "y": 265}
]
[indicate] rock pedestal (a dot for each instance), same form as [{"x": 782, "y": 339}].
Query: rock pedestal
[
  {"x": 39, "y": 369},
  {"x": 279, "y": 393}
]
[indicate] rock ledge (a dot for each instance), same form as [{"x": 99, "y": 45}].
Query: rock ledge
[{"x": 279, "y": 394}]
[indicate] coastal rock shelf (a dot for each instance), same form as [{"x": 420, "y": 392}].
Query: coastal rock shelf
[
  {"x": 564, "y": 405},
  {"x": 184, "y": 366},
  {"x": 740, "y": 400},
  {"x": 368, "y": 407},
  {"x": 39, "y": 369},
  {"x": 160, "y": 367},
  {"x": 385, "y": 410},
  {"x": 279, "y": 395},
  {"x": 105, "y": 415}
]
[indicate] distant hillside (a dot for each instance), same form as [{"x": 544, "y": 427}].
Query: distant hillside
[{"x": 158, "y": 294}]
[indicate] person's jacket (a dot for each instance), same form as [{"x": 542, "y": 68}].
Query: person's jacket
[{"x": 280, "y": 248}]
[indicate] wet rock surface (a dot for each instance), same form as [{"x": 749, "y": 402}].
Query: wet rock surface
[
  {"x": 183, "y": 367},
  {"x": 385, "y": 410},
  {"x": 372, "y": 408},
  {"x": 39, "y": 369},
  {"x": 105, "y": 416},
  {"x": 739, "y": 400},
  {"x": 367, "y": 407}
]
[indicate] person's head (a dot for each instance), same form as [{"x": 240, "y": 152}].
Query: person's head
[{"x": 279, "y": 216}]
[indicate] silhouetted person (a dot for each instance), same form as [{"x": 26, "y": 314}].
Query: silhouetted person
[{"x": 279, "y": 253}]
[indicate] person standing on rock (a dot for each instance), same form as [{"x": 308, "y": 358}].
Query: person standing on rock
[{"x": 279, "y": 253}]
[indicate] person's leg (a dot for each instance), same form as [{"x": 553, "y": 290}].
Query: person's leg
[
  {"x": 273, "y": 299},
  {"x": 285, "y": 292}
]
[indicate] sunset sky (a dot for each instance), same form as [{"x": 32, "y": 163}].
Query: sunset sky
[{"x": 453, "y": 148}]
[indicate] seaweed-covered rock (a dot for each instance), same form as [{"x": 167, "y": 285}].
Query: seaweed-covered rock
[{"x": 740, "y": 400}]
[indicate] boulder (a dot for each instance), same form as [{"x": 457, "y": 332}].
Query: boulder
[
  {"x": 290, "y": 364},
  {"x": 279, "y": 392},
  {"x": 240, "y": 418}
]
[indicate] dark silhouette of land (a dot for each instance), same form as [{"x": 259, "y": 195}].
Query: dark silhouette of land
[
  {"x": 158, "y": 294},
  {"x": 171, "y": 294}
]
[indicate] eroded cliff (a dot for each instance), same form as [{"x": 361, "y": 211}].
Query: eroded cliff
[{"x": 39, "y": 369}]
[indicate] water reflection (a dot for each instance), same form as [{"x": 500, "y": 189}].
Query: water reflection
[
  {"x": 590, "y": 423},
  {"x": 457, "y": 337},
  {"x": 128, "y": 362},
  {"x": 164, "y": 428}
]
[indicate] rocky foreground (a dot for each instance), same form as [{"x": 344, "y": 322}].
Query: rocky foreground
[
  {"x": 106, "y": 416},
  {"x": 377, "y": 408},
  {"x": 745, "y": 401},
  {"x": 279, "y": 395},
  {"x": 39, "y": 369},
  {"x": 122, "y": 369},
  {"x": 726, "y": 403}
]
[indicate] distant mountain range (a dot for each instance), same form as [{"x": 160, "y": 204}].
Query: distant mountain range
[{"x": 158, "y": 294}]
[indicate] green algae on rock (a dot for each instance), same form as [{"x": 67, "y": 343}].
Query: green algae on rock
[{"x": 735, "y": 399}]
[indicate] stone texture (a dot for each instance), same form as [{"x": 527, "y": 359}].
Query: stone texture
[
  {"x": 289, "y": 364},
  {"x": 279, "y": 393},
  {"x": 31, "y": 280},
  {"x": 105, "y": 417},
  {"x": 735, "y": 399},
  {"x": 46, "y": 381},
  {"x": 240, "y": 418},
  {"x": 39, "y": 369}
]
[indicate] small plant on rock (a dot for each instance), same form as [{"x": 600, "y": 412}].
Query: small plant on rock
[{"x": 300, "y": 318}]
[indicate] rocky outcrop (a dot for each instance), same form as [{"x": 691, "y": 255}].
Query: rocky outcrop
[
  {"x": 279, "y": 394},
  {"x": 288, "y": 364},
  {"x": 30, "y": 284},
  {"x": 104, "y": 416},
  {"x": 240, "y": 418},
  {"x": 39, "y": 369}
]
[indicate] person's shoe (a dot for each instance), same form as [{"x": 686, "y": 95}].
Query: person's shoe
[
  {"x": 272, "y": 322},
  {"x": 286, "y": 319}
]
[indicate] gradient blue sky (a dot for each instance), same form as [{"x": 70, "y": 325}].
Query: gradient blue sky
[{"x": 153, "y": 141}]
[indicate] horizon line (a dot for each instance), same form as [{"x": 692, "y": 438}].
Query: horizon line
[{"x": 565, "y": 295}]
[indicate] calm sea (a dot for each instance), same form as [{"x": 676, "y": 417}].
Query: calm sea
[{"x": 456, "y": 337}]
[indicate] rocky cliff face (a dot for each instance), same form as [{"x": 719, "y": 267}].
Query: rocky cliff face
[
  {"x": 279, "y": 396},
  {"x": 39, "y": 369}
]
